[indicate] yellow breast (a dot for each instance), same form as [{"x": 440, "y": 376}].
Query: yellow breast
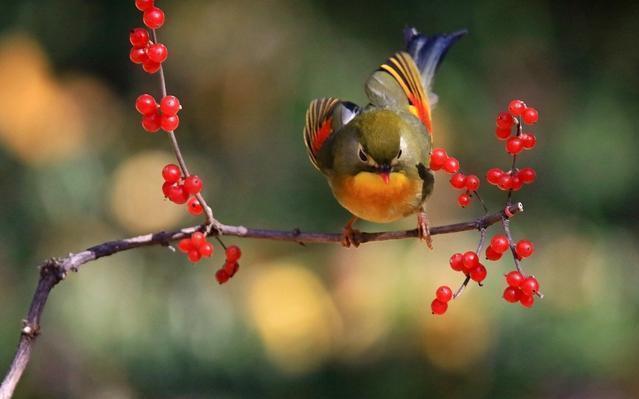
[{"x": 368, "y": 197}]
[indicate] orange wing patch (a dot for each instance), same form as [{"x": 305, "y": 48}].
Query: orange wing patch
[
  {"x": 402, "y": 67},
  {"x": 318, "y": 126}
]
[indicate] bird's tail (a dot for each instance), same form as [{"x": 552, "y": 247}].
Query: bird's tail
[{"x": 428, "y": 52}]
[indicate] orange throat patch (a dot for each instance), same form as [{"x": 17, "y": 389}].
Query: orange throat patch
[{"x": 368, "y": 197}]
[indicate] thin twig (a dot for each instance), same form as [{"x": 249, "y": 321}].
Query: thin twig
[
  {"x": 211, "y": 222},
  {"x": 55, "y": 270}
]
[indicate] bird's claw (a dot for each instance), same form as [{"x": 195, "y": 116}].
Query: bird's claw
[
  {"x": 350, "y": 237},
  {"x": 423, "y": 231}
]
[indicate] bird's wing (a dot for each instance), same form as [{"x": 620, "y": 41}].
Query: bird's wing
[
  {"x": 324, "y": 117},
  {"x": 398, "y": 83}
]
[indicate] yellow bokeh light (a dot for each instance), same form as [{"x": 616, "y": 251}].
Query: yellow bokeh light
[
  {"x": 294, "y": 315},
  {"x": 39, "y": 120},
  {"x": 136, "y": 194},
  {"x": 460, "y": 339}
]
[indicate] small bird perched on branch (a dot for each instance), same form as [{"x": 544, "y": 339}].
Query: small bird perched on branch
[{"x": 376, "y": 158}]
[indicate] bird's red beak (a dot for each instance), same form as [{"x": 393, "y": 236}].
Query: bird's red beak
[{"x": 385, "y": 176}]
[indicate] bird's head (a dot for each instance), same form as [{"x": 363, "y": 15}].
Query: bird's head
[{"x": 373, "y": 144}]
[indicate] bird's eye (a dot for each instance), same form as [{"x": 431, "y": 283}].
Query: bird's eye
[
  {"x": 362, "y": 155},
  {"x": 399, "y": 154}
]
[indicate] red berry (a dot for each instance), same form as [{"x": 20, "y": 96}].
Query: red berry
[
  {"x": 157, "y": 52},
  {"x": 529, "y": 286},
  {"x": 206, "y": 249},
  {"x": 176, "y": 193},
  {"x": 193, "y": 184},
  {"x": 514, "y": 145},
  {"x": 530, "y": 116},
  {"x": 491, "y": 254},
  {"x": 139, "y": 37},
  {"x": 194, "y": 255},
  {"x": 153, "y": 17},
  {"x": 514, "y": 279},
  {"x": 222, "y": 276},
  {"x": 138, "y": 55},
  {"x": 143, "y": 5},
  {"x": 166, "y": 188},
  {"x": 194, "y": 206},
  {"x": 478, "y": 273},
  {"x": 145, "y": 104},
  {"x": 526, "y": 300},
  {"x": 511, "y": 294},
  {"x": 463, "y": 200},
  {"x": 233, "y": 253},
  {"x": 527, "y": 175},
  {"x": 470, "y": 260},
  {"x": 502, "y": 134},
  {"x": 185, "y": 245},
  {"x": 231, "y": 268},
  {"x": 456, "y": 262},
  {"x": 458, "y": 180},
  {"x": 151, "y": 67},
  {"x": 524, "y": 248},
  {"x": 438, "y": 307},
  {"x": 170, "y": 105},
  {"x": 505, "y": 182},
  {"x": 451, "y": 165},
  {"x": 444, "y": 293},
  {"x": 472, "y": 183},
  {"x": 171, "y": 173},
  {"x": 505, "y": 121},
  {"x": 198, "y": 238},
  {"x": 499, "y": 243},
  {"x": 170, "y": 122},
  {"x": 516, "y": 183},
  {"x": 493, "y": 175},
  {"x": 528, "y": 140},
  {"x": 437, "y": 158},
  {"x": 151, "y": 122},
  {"x": 516, "y": 107}
]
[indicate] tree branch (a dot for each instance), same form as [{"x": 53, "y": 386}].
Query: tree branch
[{"x": 55, "y": 270}]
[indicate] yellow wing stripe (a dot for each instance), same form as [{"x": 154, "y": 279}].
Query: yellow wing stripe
[{"x": 402, "y": 67}]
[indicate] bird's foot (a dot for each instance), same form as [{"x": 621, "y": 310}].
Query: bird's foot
[
  {"x": 350, "y": 236},
  {"x": 423, "y": 231}
]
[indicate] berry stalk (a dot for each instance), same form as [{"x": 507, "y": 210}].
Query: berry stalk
[{"x": 211, "y": 222}]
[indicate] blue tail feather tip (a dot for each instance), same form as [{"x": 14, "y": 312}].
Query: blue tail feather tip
[{"x": 429, "y": 51}]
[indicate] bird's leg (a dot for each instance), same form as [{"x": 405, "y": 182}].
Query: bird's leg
[
  {"x": 423, "y": 231},
  {"x": 349, "y": 235}
]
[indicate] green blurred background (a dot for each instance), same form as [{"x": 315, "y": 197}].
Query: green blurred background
[{"x": 318, "y": 321}]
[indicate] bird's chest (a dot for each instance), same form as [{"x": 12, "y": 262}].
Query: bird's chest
[{"x": 368, "y": 197}]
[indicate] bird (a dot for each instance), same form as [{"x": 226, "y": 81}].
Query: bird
[{"x": 376, "y": 157}]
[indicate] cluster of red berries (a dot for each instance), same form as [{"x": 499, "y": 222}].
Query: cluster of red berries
[
  {"x": 442, "y": 296},
  {"x": 518, "y": 114},
  {"x": 196, "y": 247},
  {"x": 146, "y": 53},
  {"x": 521, "y": 289},
  {"x": 500, "y": 244},
  {"x": 158, "y": 116},
  {"x": 512, "y": 179},
  {"x": 179, "y": 189},
  {"x": 439, "y": 159},
  {"x": 468, "y": 263},
  {"x": 150, "y": 55},
  {"x": 231, "y": 266}
]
